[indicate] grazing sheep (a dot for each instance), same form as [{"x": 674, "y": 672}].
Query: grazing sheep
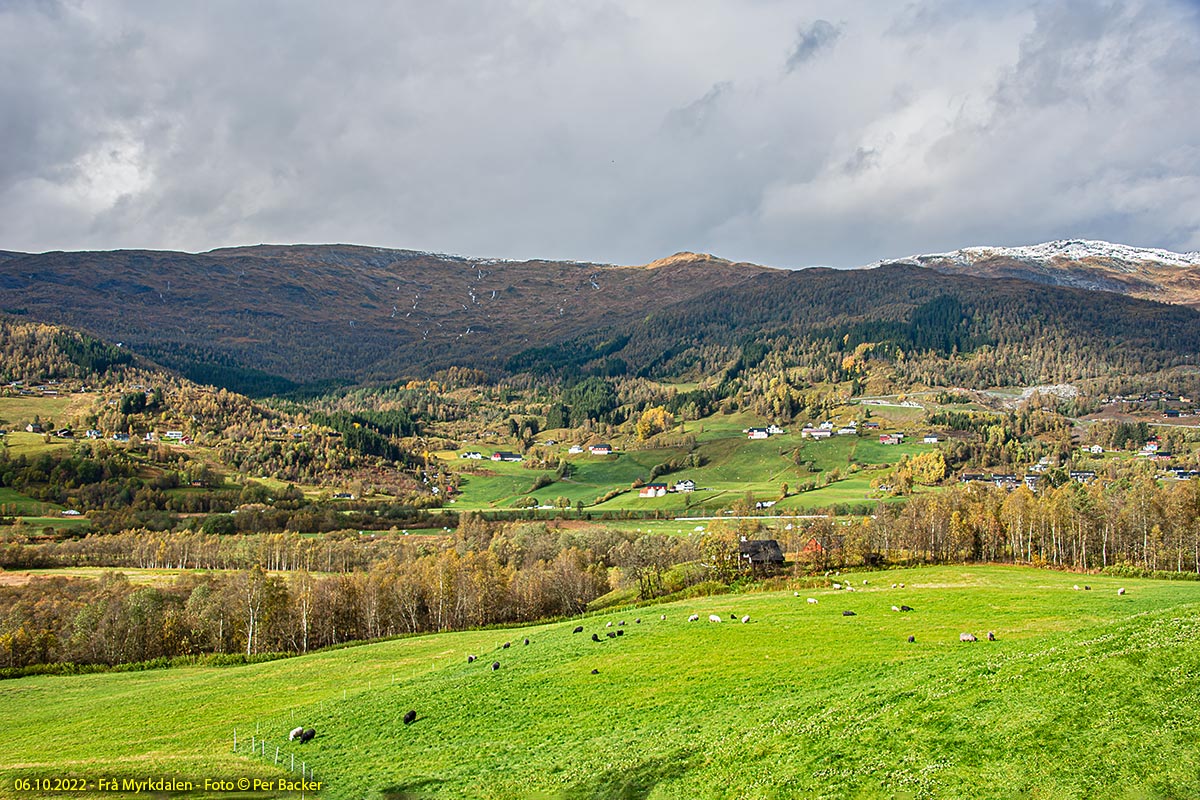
[
  {"x": 906, "y": 608},
  {"x": 812, "y": 601},
  {"x": 864, "y": 583},
  {"x": 608, "y": 624},
  {"x": 662, "y": 617},
  {"x": 611, "y": 635},
  {"x": 893, "y": 586},
  {"x": 733, "y": 617},
  {"x": 307, "y": 735},
  {"x": 912, "y": 639},
  {"x": 895, "y": 608},
  {"x": 595, "y": 637},
  {"x": 745, "y": 619},
  {"x": 637, "y": 621},
  {"x": 991, "y": 636},
  {"x": 495, "y": 666},
  {"x": 578, "y": 629},
  {"x": 526, "y": 641},
  {"x": 1076, "y": 587},
  {"x": 795, "y": 594},
  {"x": 506, "y": 645},
  {"x": 837, "y": 586},
  {"x": 694, "y": 618},
  {"x": 902, "y": 586},
  {"x": 966, "y": 637},
  {"x": 1121, "y": 591},
  {"x": 620, "y": 633},
  {"x": 621, "y": 624},
  {"x": 295, "y": 734},
  {"x": 1087, "y": 588},
  {"x": 595, "y": 672},
  {"x": 409, "y": 717},
  {"x": 470, "y": 659},
  {"x": 849, "y": 614},
  {"x": 713, "y": 618}
]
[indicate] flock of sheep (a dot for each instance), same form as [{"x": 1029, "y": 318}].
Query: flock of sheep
[{"x": 302, "y": 734}]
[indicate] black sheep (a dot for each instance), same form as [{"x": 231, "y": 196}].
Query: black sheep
[
  {"x": 906, "y": 608},
  {"x": 620, "y": 633},
  {"x": 410, "y": 717},
  {"x": 470, "y": 659},
  {"x": 506, "y": 644},
  {"x": 578, "y": 629},
  {"x": 612, "y": 635},
  {"x": 912, "y": 639},
  {"x": 526, "y": 641},
  {"x": 595, "y": 672},
  {"x": 495, "y": 666},
  {"x": 849, "y": 614},
  {"x": 595, "y": 638},
  {"x": 308, "y": 734}
]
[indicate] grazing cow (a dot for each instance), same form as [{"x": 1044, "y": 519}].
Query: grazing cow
[
  {"x": 595, "y": 637},
  {"x": 506, "y": 644},
  {"x": 906, "y": 608},
  {"x": 849, "y": 614},
  {"x": 812, "y": 601},
  {"x": 966, "y": 637},
  {"x": 409, "y": 717},
  {"x": 295, "y": 734},
  {"x": 912, "y": 639},
  {"x": 611, "y": 635},
  {"x": 745, "y": 619},
  {"x": 307, "y": 735},
  {"x": 895, "y": 608},
  {"x": 495, "y": 666},
  {"x": 693, "y": 618},
  {"x": 620, "y": 633},
  {"x": 578, "y": 629},
  {"x": 470, "y": 659},
  {"x": 1121, "y": 591},
  {"x": 526, "y": 641},
  {"x": 991, "y": 636},
  {"x": 713, "y": 618},
  {"x": 595, "y": 672}
]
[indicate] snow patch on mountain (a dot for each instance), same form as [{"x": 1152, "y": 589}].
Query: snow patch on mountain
[{"x": 1119, "y": 255}]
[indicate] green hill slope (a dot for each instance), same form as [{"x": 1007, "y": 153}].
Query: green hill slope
[{"x": 1084, "y": 694}]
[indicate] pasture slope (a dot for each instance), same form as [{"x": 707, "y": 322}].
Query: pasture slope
[{"x": 1084, "y": 694}]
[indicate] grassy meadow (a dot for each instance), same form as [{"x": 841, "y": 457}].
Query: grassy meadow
[
  {"x": 1083, "y": 694},
  {"x": 732, "y": 467}
]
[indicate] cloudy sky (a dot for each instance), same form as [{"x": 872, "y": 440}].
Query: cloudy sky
[{"x": 785, "y": 133}]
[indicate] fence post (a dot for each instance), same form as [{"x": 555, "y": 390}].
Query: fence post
[
  {"x": 235, "y": 740},
  {"x": 276, "y": 754}
]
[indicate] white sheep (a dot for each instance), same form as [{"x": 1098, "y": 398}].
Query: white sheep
[
  {"x": 812, "y": 601},
  {"x": 693, "y": 618},
  {"x": 895, "y": 608},
  {"x": 714, "y": 618},
  {"x": 1121, "y": 590},
  {"x": 745, "y": 619}
]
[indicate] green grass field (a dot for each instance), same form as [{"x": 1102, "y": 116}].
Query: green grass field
[
  {"x": 1084, "y": 694},
  {"x": 733, "y": 466}
]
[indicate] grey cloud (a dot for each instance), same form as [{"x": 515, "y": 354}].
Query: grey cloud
[
  {"x": 612, "y": 131},
  {"x": 811, "y": 40}
]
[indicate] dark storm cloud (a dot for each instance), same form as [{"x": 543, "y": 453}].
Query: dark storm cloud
[{"x": 611, "y": 131}]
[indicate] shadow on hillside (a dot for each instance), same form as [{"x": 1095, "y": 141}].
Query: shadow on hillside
[
  {"x": 416, "y": 790},
  {"x": 634, "y": 782}
]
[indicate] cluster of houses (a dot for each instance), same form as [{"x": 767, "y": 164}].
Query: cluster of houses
[
  {"x": 661, "y": 489},
  {"x": 177, "y": 437},
  {"x": 1031, "y": 480},
  {"x": 762, "y": 433}
]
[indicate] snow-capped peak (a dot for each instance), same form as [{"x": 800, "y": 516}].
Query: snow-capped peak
[{"x": 1064, "y": 250}]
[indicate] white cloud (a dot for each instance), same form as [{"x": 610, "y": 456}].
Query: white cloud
[{"x": 611, "y": 131}]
